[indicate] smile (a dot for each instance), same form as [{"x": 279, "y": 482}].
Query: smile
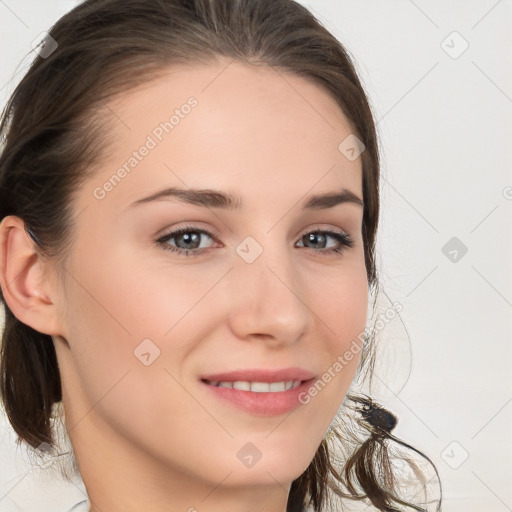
[{"x": 257, "y": 387}]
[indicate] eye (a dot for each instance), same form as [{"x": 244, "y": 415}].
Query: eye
[
  {"x": 319, "y": 236},
  {"x": 188, "y": 241},
  {"x": 188, "y": 236}
]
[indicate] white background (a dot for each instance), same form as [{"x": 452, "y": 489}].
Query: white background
[{"x": 445, "y": 126}]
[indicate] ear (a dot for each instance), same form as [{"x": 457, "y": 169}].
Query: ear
[{"x": 25, "y": 286}]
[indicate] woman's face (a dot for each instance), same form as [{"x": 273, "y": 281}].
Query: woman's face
[{"x": 253, "y": 290}]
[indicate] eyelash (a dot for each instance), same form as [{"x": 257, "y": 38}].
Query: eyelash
[{"x": 344, "y": 239}]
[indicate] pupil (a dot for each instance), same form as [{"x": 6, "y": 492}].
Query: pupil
[
  {"x": 188, "y": 238},
  {"x": 314, "y": 236}
]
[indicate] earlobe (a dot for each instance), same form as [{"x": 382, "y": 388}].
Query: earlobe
[{"x": 22, "y": 278}]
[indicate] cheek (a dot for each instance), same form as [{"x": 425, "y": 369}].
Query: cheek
[
  {"x": 125, "y": 311},
  {"x": 345, "y": 311},
  {"x": 339, "y": 301},
  {"x": 125, "y": 298},
  {"x": 118, "y": 316}
]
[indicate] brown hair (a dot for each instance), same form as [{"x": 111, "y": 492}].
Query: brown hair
[{"x": 52, "y": 135}]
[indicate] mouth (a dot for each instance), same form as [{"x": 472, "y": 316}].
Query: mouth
[
  {"x": 256, "y": 387},
  {"x": 260, "y": 392},
  {"x": 261, "y": 376}
]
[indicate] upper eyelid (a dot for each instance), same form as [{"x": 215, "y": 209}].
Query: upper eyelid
[{"x": 185, "y": 229}]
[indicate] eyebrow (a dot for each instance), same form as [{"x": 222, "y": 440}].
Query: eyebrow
[{"x": 216, "y": 199}]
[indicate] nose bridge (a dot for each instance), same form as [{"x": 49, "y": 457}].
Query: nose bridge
[{"x": 268, "y": 298}]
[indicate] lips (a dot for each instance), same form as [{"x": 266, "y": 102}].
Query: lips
[
  {"x": 270, "y": 392},
  {"x": 261, "y": 375}
]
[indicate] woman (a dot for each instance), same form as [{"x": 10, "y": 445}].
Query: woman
[{"x": 189, "y": 204}]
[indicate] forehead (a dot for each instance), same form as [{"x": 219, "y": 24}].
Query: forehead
[{"x": 249, "y": 128}]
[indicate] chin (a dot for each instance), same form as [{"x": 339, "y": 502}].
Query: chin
[{"x": 271, "y": 466}]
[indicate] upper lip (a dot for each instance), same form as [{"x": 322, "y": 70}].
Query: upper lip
[{"x": 261, "y": 375}]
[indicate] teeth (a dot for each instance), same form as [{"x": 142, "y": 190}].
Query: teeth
[
  {"x": 244, "y": 386},
  {"x": 258, "y": 387}
]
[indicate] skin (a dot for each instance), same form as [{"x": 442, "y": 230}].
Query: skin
[{"x": 153, "y": 436}]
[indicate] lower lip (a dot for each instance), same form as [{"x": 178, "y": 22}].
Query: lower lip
[{"x": 262, "y": 404}]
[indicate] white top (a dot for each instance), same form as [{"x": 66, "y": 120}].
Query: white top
[{"x": 82, "y": 506}]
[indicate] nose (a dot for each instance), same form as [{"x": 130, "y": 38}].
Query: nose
[{"x": 267, "y": 301}]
